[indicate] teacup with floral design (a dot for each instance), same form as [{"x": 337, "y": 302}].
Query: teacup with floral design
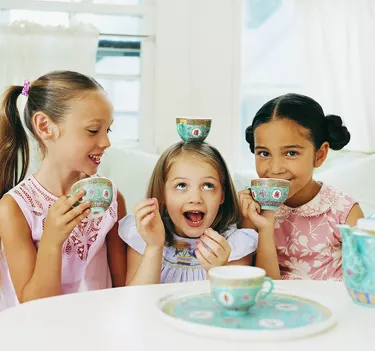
[
  {"x": 99, "y": 192},
  {"x": 270, "y": 193},
  {"x": 193, "y": 128},
  {"x": 238, "y": 288}
]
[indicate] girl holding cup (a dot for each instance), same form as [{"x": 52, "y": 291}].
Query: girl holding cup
[
  {"x": 291, "y": 136},
  {"x": 188, "y": 222},
  {"x": 48, "y": 245}
]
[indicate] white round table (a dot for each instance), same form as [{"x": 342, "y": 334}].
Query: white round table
[{"x": 127, "y": 319}]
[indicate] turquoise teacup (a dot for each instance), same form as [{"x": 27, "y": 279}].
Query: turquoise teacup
[
  {"x": 98, "y": 191},
  {"x": 193, "y": 129},
  {"x": 270, "y": 193},
  {"x": 238, "y": 288}
]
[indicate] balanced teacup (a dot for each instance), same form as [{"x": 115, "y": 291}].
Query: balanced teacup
[
  {"x": 98, "y": 191},
  {"x": 270, "y": 193},
  {"x": 193, "y": 129},
  {"x": 238, "y": 288}
]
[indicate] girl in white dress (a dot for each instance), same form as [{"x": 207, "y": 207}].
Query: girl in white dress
[{"x": 187, "y": 223}]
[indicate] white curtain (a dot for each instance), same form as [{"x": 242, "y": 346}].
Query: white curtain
[
  {"x": 29, "y": 50},
  {"x": 339, "y": 52}
]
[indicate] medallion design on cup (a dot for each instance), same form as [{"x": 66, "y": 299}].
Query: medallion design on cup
[
  {"x": 270, "y": 193},
  {"x": 193, "y": 129},
  {"x": 98, "y": 191},
  {"x": 238, "y": 288}
]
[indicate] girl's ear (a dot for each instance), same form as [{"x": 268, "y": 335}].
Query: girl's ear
[
  {"x": 321, "y": 154},
  {"x": 44, "y": 127}
]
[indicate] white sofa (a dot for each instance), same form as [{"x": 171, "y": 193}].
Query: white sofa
[{"x": 131, "y": 169}]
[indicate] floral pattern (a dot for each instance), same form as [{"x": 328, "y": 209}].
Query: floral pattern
[{"x": 307, "y": 240}]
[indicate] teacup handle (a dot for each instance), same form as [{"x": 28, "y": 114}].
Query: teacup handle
[{"x": 263, "y": 295}]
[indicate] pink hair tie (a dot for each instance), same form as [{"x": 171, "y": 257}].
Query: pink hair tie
[{"x": 26, "y": 88}]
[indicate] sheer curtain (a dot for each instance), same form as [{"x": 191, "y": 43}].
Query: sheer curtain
[
  {"x": 29, "y": 50},
  {"x": 339, "y": 53}
]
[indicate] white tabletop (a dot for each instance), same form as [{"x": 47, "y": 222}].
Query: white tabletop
[{"x": 127, "y": 319}]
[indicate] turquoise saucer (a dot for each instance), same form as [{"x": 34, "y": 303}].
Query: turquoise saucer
[{"x": 279, "y": 316}]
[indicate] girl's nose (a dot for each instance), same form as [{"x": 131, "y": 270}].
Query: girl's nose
[
  {"x": 277, "y": 166},
  {"x": 195, "y": 196},
  {"x": 105, "y": 142}
]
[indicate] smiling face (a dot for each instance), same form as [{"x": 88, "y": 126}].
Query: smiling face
[
  {"x": 83, "y": 134},
  {"x": 284, "y": 150},
  {"x": 193, "y": 194}
]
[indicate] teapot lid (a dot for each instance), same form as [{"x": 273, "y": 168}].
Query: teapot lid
[{"x": 366, "y": 224}]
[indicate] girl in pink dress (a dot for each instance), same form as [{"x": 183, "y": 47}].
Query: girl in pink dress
[
  {"x": 48, "y": 247},
  {"x": 290, "y": 136}
]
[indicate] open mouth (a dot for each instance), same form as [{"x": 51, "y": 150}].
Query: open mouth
[
  {"x": 95, "y": 158},
  {"x": 194, "y": 218}
]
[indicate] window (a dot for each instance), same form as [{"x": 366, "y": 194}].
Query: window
[{"x": 121, "y": 24}]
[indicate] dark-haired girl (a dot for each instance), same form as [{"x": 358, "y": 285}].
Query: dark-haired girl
[{"x": 290, "y": 137}]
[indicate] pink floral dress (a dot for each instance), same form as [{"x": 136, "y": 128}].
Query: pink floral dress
[{"x": 307, "y": 240}]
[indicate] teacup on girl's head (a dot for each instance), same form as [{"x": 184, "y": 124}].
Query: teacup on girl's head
[
  {"x": 193, "y": 129},
  {"x": 98, "y": 191},
  {"x": 237, "y": 288},
  {"x": 270, "y": 193}
]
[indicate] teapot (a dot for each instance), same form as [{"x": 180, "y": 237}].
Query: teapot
[{"x": 358, "y": 260}]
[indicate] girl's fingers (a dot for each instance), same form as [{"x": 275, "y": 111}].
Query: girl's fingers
[
  {"x": 217, "y": 249},
  {"x": 78, "y": 219},
  {"x": 76, "y": 211},
  {"x": 145, "y": 221},
  {"x": 219, "y": 239},
  {"x": 143, "y": 212},
  {"x": 205, "y": 264},
  {"x": 67, "y": 204},
  {"x": 208, "y": 255},
  {"x": 144, "y": 203}
]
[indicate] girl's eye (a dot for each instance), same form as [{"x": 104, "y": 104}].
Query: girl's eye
[
  {"x": 263, "y": 153},
  {"x": 109, "y": 130},
  {"x": 93, "y": 131},
  {"x": 292, "y": 153},
  {"x": 208, "y": 186},
  {"x": 181, "y": 186}
]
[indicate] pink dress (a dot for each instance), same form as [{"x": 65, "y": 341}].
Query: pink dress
[
  {"x": 307, "y": 240},
  {"x": 84, "y": 253}
]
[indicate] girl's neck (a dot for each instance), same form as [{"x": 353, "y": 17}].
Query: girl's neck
[
  {"x": 55, "y": 178},
  {"x": 306, "y": 194}
]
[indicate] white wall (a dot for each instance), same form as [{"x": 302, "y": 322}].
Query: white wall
[{"x": 197, "y": 68}]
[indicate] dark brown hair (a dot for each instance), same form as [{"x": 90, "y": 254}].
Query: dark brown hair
[
  {"x": 229, "y": 211},
  {"x": 50, "y": 94},
  {"x": 307, "y": 113}
]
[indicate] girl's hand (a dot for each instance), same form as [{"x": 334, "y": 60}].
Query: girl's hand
[
  {"x": 212, "y": 250},
  {"x": 149, "y": 223},
  {"x": 62, "y": 217},
  {"x": 250, "y": 210}
]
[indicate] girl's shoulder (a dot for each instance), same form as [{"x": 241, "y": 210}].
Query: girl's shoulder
[
  {"x": 328, "y": 200},
  {"x": 242, "y": 241},
  {"x": 127, "y": 230}
]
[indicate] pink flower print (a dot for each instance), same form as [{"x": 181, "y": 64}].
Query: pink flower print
[
  {"x": 246, "y": 297},
  {"x": 262, "y": 193},
  {"x": 276, "y": 194},
  {"x": 92, "y": 192}
]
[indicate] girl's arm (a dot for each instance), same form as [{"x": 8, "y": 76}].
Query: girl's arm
[
  {"x": 146, "y": 268},
  {"x": 244, "y": 261},
  {"x": 37, "y": 274},
  {"x": 354, "y": 214},
  {"x": 266, "y": 255},
  {"x": 116, "y": 248}
]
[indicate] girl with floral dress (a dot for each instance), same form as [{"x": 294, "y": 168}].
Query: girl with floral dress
[{"x": 291, "y": 136}]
